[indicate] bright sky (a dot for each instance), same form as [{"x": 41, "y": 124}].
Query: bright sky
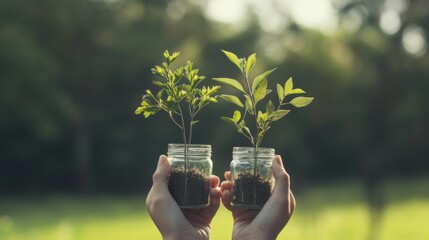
[{"x": 317, "y": 14}]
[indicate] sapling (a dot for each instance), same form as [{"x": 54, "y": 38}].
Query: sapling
[
  {"x": 252, "y": 92},
  {"x": 182, "y": 98}
]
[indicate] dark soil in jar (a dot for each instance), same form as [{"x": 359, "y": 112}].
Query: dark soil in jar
[
  {"x": 251, "y": 189},
  {"x": 197, "y": 187}
]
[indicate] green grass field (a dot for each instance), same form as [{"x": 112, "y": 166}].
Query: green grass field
[{"x": 328, "y": 211}]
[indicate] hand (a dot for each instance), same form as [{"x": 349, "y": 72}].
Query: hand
[
  {"x": 267, "y": 222},
  {"x": 173, "y": 222}
]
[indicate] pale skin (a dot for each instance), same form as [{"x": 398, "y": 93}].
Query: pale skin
[
  {"x": 175, "y": 223},
  {"x": 272, "y": 218}
]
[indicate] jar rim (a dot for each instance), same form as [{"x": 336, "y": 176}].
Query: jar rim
[
  {"x": 192, "y": 145},
  {"x": 252, "y": 149}
]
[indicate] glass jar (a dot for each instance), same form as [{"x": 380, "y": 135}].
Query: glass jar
[
  {"x": 252, "y": 176},
  {"x": 191, "y": 168}
]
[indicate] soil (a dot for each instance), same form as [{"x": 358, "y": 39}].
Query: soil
[
  {"x": 251, "y": 189},
  {"x": 197, "y": 190}
]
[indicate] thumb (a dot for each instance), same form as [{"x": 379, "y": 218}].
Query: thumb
[
  {"x": 162, "y": 171},
  {"x": 159, "y": 188},
  {"x": 282, "y": 177}
]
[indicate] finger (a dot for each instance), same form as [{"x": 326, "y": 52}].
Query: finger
[
  {"x": 282, "y": 184},
  {"x": 205, "y": 215},
  {"x": 292, "y": 203},
  {"x": 227, "y": 175},
  {"x": 162, "y": 171},
  {"x": 225, "y": 185},
  {"x": 215, "y": 195},
  {"x": 273, "y": 213},
  {"x": 209, "y": 212},
  {"x": 161, "y": 206},
  {"x": 226, "y": 198},
  {"x": 237, "y": 213},
  {"x": 214, "y": 181},
  {"x": 160, "y": 178}
]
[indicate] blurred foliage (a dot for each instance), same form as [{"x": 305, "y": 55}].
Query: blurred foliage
[{"x": 72, "y": 72}]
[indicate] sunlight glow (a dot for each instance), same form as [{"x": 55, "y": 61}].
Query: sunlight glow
[
  {"x": 225, "y": 11},
  {"x": 396, "y": 5},
  {"x": 414, "y": 40},
  {"x": 390, "y": 22},
  {"x": 318, "y": 14}
]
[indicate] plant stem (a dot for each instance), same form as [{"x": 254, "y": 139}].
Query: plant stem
[
  {"x": 185, "y": 153},
  {"x": 255, "y": 144},
  {"x": 254, "y": 108},
  {"x": 184, "y": 136},
  {"x": 269, "y": 122},
  {"x": 191, "y": 119},
  {"x": 174, "y": 120}
]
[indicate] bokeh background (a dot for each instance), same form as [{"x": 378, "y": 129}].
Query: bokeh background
[{"x": 76, "y": 163}]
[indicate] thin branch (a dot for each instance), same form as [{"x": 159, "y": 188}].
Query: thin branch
[
  {"x": 172, "y": 118},
  {"x": 191, "y": 119},
  {"x": 183, "y": 125}
]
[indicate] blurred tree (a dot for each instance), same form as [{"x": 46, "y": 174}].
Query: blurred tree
[
  {"x": 72, "y": 73},
  {"x": 383, "y": 84}
]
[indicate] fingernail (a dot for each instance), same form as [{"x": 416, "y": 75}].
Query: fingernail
[{"x": 161, "y": 160}]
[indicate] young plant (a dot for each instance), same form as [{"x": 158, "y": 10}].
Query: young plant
[
  {"x": 180, "y": 96},
  {"x": 253, "y": 92}
]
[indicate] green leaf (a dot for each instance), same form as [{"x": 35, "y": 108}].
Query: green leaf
[
  {"x": 248, "y": 104},
  {"x": 280, "y": 92},
  {"x": 228, "y": 119},
  {"x": 270, "y": 107},
  {"x": 251, "y": 60},
  {"x": 148, "y": 92},
  {"x": 159, "y": 94},
  {"x": 247, "y": 130},
  {"x": 170, "y": 58},
  {"x": 194, "y": 122},
  {"x": 297, "y": 91},
  {"x": 236, "y": 117},
  {"x": 174, "y": 56},
  {"x": 231, "y": 82},
  {"x": 262, "y": 117},
  {"x": 261, "y": 77},
  {"x": 260, "y": 91},
  {"x": 278, "y": 114},
  {"x": 166, "y": 54},
  {"x": 159, "y": 84},
  {"x": 232, "y": 99},
  {"x": 147, "y": 114},
  {"x": 288, "y": 86},
  {"x": 139, "y": 110},
  {"x": 157, "y": 70},
  {"x": 301, "y": 101},
  {"x": 233, "y": 58}
]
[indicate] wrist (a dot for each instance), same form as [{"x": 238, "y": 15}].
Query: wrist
[
  {"x": 184, "y": 236},
  {"x": 255, "y": 236}
]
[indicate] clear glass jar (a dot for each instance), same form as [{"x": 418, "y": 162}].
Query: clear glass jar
[
  {"x": 191, "y": 168},
  {"x": 252, "y": 176}
]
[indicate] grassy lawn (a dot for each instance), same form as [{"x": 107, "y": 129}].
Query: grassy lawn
[{"x": 328, "y": 211}]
